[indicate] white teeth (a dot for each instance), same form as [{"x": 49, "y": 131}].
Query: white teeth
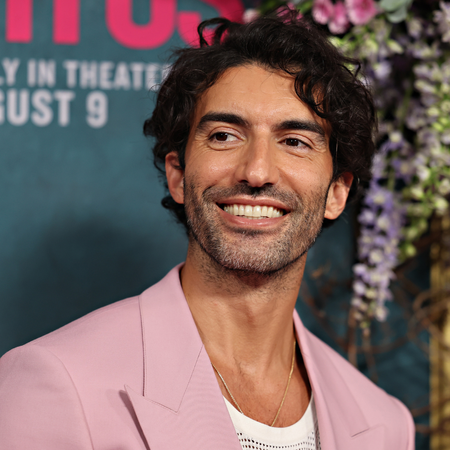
[
  {"x": 257, "y": 211},
  {"x": 253, "y": 212}
]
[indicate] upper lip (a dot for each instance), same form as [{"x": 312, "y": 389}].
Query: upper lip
[{"x": 261, "y": 201}]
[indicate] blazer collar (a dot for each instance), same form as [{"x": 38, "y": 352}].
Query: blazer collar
[
  {"x": 181, "y": 405},
  {"x": 339, "y": 415},
  {"x": 171, "y": 339}
]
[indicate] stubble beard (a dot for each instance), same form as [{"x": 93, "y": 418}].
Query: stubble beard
[{"x": 253, "y": 252}]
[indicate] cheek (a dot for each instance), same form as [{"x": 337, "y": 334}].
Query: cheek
[
  {"x": 210, "y": 168},
  {"x": 307, "y": 175}
]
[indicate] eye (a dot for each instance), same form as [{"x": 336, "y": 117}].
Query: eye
[
  {"x": 223, "y": 137},
  {"x": 292, "y": 142}
]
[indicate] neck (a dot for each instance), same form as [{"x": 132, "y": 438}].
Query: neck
[{"x": 244, "y": 319}]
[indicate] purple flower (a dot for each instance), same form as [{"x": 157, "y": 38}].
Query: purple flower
[
  {"x": 359, "y": 269},
  {"x": 366, "y": 217},
  {"x": 415, "y": 27},
  {"x": 382, "y": 70},
  {"x": 442, "y": 18},
  {"x": 416, "y": 117},
  {"x": 359, "y": 287},
  {"x": 381, "y": 221},
  {"x": 378, "y": 196}
]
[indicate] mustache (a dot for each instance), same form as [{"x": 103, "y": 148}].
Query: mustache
[{"x": 214, "y": 193}]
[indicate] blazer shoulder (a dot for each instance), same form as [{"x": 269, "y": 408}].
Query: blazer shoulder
[
  {"x": 107, "y": 321},
  {"x": 113, "y": 323},
  {"x": 39, "y": 403}
]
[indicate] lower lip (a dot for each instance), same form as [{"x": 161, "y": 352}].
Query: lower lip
[{"x": 242, "y": 221}]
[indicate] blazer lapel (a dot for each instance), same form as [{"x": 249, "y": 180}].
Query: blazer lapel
[
  {"x": 181, "y": 406},
  {"x": 342, "y": 424}
]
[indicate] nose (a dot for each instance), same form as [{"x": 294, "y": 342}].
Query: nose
[{"x": 257, "y": 165}]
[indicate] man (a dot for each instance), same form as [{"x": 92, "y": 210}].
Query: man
[{"x": 261, "y": 135}]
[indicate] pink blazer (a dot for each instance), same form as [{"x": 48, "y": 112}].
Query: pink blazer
[{"x": 135, "y": 375}]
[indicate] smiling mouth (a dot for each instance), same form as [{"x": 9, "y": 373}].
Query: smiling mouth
[{"x": 253, "y": 212}]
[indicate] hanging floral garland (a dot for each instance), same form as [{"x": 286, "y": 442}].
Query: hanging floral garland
[{"x": 405, "y": 50}]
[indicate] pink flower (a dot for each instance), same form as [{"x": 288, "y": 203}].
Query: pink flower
[
  {"x": 322, "y": 11},
  {"x": 288, "y": 6},
  {"x": 339, "y": 23},
  {"x": 250, "y": 15},
  {"x": 361, "y": 11}
]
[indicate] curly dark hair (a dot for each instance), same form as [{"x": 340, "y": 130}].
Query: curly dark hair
[{"x": 325, "y": 80}]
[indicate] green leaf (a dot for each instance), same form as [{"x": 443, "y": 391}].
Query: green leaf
[
  {"x": 393, "y": 5},
  {"x": 399, "y": 15},
  {"x": 305, "y": 6}
]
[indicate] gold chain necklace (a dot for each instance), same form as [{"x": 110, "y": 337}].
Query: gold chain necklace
[{"x": 285, "y": 392}]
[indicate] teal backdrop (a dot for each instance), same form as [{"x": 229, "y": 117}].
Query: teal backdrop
[{"x": 81, "y": 223}]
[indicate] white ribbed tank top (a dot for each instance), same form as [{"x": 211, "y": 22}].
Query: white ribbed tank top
[{"x": 303, "y": 435}]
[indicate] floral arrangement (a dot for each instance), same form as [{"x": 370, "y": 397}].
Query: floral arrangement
[{"x": 404, "y": 47}]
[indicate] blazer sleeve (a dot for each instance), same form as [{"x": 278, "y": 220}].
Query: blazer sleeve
[
  {"x": 39, "y": 404},
  {"x": 409, "y": 430}
]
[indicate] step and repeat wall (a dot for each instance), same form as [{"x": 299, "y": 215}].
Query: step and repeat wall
[{"x": 81, "y": 223}]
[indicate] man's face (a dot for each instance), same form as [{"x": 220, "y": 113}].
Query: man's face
[{"x": 257, "y": 173}]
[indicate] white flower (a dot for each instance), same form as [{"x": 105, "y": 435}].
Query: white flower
[
  {"x": 379, "y": 198},
  {"x": 433, "y": 111},
  {"x": 250, "y": 15},
  {"x": 441, "y": 205},
  {"x": 371, "y": 293},
  {"x": 422, "y": 70},
  {"x": 395, "y": 137},
  {"x": 442, "y": 18},
  {"x": 383, "y": 223},
  {"x": 376, "y": 256},
  {"x": 394, "y": 46},
  {"x": 359, "y": 287},
  {"x": 445, "y": 137},
  {"x": 416, "y": 192},
  {"x": 445, "y": 88},
  {"x": 381, "y": 313},
  {"x": 425, "y": 87},
  {"x": 366, "y": 239},
  {"x": 405, "y": 167},
  {"x": 414, "y": 27},
  {"x": 423, "y": 173},
  {"x": 375, "y": 277},
  {"x": 357, "y": 302},
  {"x": 382, "y": 70},
  {"x": 444, "y": 186},
  {"x": 436, "y": 73},
  {"x": 445, "y": 69}
]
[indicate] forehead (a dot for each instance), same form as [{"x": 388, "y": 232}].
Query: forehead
[{"x": 261, "y": 96}]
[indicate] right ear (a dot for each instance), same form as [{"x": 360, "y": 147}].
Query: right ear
[{"x": 175, "y": 177}]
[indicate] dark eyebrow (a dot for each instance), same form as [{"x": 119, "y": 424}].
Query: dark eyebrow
[
  {"x": 222, "y": 117},
  {"x": 306, "y": 125}
]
